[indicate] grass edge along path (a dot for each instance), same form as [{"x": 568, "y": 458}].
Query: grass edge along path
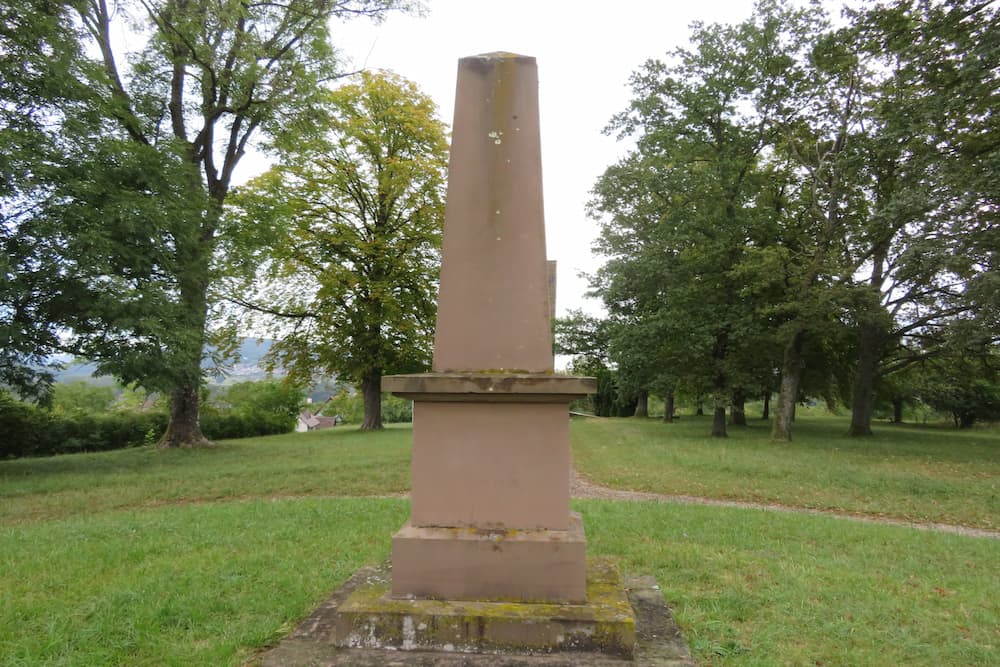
[
  {"x": 909, "y": 474},
  {"x": 581, "y": 488}
]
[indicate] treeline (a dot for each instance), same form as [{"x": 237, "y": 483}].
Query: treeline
[
  {"x": 124, "y": 239},
  {"x": 807, "y": 209}
]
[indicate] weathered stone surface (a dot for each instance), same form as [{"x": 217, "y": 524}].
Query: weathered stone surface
[
  {"x": 502, "y": 564},
  {"x": 489, "y": 387},
  {"x": 487, "y": 465},
  {"x": 371, "y": 617},
  {"x": 493, "y": 304},
  {"x": 658, "y": 641}
]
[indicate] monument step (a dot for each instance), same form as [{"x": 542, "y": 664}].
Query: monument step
[{"x": 370, "y": 617}]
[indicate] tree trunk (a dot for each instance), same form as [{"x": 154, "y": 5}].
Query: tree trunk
[
  {"x": 184, "y": 427},
  {"x": 897, "y": 410},
  {"x": 371, "y": 391},
  {"x": 791, "y": 375},
  {"x": 737, "y": 411},
  {"x": 863, "y": 393},
  {"x": 719, "y": 423},
  {"x": 642, "y": 404},
  {"x": 719, "y": 351},
  {"x": 187, "y": 348},
  {"x": 766, "y": 414},
  {"x": 668, "y": 407},
  {"x": 700, "y": 410}
]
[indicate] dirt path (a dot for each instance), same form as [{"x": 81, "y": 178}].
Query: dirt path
[{"x": 582, "y": 488}]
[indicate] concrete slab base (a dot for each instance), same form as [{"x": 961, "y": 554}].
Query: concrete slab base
[
  {"x": 497, "y": 565},
  {"x": 657, "y": 639}
]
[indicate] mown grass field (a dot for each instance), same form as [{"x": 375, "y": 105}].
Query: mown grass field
[
  {"x": 917, "y": 473},
  {"x": 141, "y": 557}
]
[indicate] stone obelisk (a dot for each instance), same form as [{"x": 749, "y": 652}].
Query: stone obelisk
[{"x": 490, "y": 497}]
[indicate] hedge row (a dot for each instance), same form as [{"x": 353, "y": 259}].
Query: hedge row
[
  {"x": 27, "y": 430},
  {"x": 231, "y": 425}
]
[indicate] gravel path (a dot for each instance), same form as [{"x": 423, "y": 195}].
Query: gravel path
[{"x": 582, "y": 488}]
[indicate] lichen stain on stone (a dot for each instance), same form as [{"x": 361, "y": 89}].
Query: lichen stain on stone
[{"x": 605, "y": 623}]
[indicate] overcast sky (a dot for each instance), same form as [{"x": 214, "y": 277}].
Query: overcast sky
[{"x": 585, "y": 50}]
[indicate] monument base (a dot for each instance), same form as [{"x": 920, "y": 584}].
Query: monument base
[
  {"x": 485, "y": 565},
  {"x": 370, "y": 617},
  {"x": 658, "y": 640}
]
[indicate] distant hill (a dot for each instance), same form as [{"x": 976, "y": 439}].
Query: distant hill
[
  {"x": 249, "y": 363},
  {"x": 248, "y": 366}
]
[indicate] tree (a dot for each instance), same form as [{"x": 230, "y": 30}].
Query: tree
[
  {"x": 587, "y": 339},
  {"x": 965, "y": 383},
  {"x": 929, "y": 241},
  {"x": 153, "y": 148},
  {"x": 686, "y": 209},
  {"x": 348, "y": 231}
]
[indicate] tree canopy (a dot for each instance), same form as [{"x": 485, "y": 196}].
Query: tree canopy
[{"x": 348, "y": 229}]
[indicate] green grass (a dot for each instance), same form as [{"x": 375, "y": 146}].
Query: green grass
[
  {"x": 341, "y": 462},
  {"x": 184, "y": 585},
  {"x": 907, "y": 472},
  {"x": 751, "y": 587},
  {"x": 203, "y": 558}
]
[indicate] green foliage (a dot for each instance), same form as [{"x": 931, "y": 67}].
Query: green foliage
[
  {"x": 247, "y": 409},
  {"x": 81, "y": 396},
  {"x": 38, "y": 59},
  {"x": 277, "y": 397},
  {"x": 588, "y": 339},
  {"x": 688, "y": 216},
  {"x": 804, "y": 201},
  {"x": 239, "y": 424},
  {"x": 965, "y": 386},
  {"x": 346, "y": 234},
  {"x": 351, "y": 408}
]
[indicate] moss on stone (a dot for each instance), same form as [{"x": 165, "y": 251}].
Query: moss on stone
[{"x": 371, "y": 617}]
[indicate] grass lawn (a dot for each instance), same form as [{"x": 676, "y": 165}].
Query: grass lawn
[
  {"x": 341, "y": 462},
  {"x": 918, "y": 473},
  {"x": 140, "y": 557}
]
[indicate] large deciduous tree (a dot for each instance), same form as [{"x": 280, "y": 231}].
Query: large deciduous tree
[
  {"x": 932, "y": 137},
  {"x": 348, "y": 230},
  {"x": 148, "y": 108}
]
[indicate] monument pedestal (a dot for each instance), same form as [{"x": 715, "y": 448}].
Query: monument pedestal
[
  {"x": 491, "y": 565},
  {"x": 490, "y": 515}
]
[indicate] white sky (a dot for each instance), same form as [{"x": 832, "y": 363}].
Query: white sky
[{"x": 586, "y": 52}]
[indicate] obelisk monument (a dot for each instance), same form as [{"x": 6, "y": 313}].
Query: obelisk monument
[{"x": 490, "y": 497}]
